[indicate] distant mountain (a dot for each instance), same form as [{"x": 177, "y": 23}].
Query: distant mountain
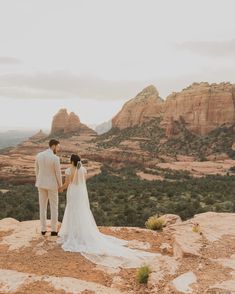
[
  {"x": 65, "y": 123},
  {"x": 146, "y": 105},
  {"x": 13, "y": 137},
  {"x": 202, "y": 107},
  {"x": 196, "y": 124},
  {"x": 199, "y": 121},
  {"x": 104, "y": 127}
]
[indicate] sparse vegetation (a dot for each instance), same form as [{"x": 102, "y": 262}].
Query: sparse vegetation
[
  {"x": 154, "y": 223},
  {"x": 196, "y": 228},
  {"x": 169, "y": 173},
  {"x": 184, "y": 142},
  {"x": 120, "y": 198},
  {"x": 142, "y": 274},
  {"x": 232, "y": 169}
]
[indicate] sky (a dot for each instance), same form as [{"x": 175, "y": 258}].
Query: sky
[{"x": 91, "y": 56}]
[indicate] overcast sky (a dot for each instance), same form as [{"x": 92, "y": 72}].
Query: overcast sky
[{"x": 91, "y": 56}]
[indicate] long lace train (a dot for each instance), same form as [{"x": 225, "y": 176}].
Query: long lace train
[{"x": 79, "y": 232}]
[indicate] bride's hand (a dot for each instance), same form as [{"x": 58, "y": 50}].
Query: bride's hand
[{"x": 61, "y": 190}]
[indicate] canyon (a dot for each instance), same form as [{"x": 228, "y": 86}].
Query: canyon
[
  {"x": 192, "y": 130},
  {"x": 190, "y": 134}
]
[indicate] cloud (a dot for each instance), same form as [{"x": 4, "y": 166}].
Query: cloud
[
  {"x": 9, "y": 60},
  {"x": 66, "y": 85},
  {"x": 211, "y": 48},
  {"x": 62, "y": 85},
  {"x": 208, "y": 74}
]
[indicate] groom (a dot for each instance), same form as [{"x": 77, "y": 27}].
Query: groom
[{"x": 48, "y": 181}]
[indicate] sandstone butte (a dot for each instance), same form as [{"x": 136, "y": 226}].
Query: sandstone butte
[
  {"x": 146, "y": 105},
  {"x": 192, "y": 256},
  {"x": 202, "y": 107},
  {"x": 64, "y": 123},
  {"x": 38, "y": 136}
]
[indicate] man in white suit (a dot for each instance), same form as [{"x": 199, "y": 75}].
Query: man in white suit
[{"x": 48, "y": 182}]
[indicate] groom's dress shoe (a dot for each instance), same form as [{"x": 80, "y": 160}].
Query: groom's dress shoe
[
  {"x": 43, "y": 233},
  {"x": 54, "y": 234}
]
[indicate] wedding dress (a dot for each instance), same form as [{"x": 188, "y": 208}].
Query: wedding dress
[{"x": 79, "y": 232}]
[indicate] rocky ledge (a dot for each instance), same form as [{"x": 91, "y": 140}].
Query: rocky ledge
[{"x": 193, "y": 256}]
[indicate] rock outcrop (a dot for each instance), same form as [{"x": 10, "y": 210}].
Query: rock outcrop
[
  {"x": 202, "y": 107},
  {"x": 64, "y": 123},
  {"x": 72, "y": 124},
  {"x": 59, "y": 121},
  {"x": 146, "y": 105},
  {"x": 38, "y": 136},
  {"x": 193, "y": 256}
]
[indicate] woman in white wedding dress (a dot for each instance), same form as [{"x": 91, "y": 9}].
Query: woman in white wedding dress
[{"x": 79, "y": 232}]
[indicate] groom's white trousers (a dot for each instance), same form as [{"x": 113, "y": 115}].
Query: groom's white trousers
[{"x": 52, "y": 196}]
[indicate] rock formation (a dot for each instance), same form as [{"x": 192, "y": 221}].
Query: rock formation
[
  {"x": 146, "y": 105},
  {"x": 203, "y": 107},
  {"x": 172, "y": 128},
  {"x": 192, "y": 256},
  {"x": 72, "y": 124},
  {"x": 59, "y": 122},
  {"x": 38, "y": 136},
  {"x": 64, "y": 123}
]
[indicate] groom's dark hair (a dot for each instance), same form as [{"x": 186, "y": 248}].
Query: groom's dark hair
[{"x": 53, "y": 142}]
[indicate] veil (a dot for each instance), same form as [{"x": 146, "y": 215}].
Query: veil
[
  {"x": 79, "y": 181},
  {"x": 79, "y": 175}
]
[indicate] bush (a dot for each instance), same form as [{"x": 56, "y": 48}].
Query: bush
[
  {"x": 120, "y": 198},
  {"x": 154, "y": 223},
  {"x": 143, "y": 274},
  {"x": 232, "y": 169},
  {"x": 196, "y": 228}
]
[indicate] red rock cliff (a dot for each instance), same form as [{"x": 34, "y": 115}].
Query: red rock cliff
[
  {"x": 202, "y": 106},
  {"x": 145, "y": 105},
  {"x": 64, "y": 122}
]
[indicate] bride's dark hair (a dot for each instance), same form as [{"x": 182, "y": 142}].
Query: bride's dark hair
[{"x": 75, "y": 159}]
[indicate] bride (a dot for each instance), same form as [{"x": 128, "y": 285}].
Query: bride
[{"x": 79, "y": 232}]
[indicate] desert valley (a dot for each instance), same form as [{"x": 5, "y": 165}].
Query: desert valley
[
  {"x": 172, "y": 157},
  {"x": 157, "y": 150},
  {"x": 191, "y": 131},
  {"x": 133, "y": 103}
]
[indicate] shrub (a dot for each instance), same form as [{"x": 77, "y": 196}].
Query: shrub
[
  {"x": 155, "y": 223},
  {"x": 232, "y": 169},
  {"x": 196, "y": 228},
  {"x": 142, "y": 274}
]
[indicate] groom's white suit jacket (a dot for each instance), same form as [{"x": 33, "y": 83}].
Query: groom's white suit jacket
[{"x": 48, "y": 173}]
